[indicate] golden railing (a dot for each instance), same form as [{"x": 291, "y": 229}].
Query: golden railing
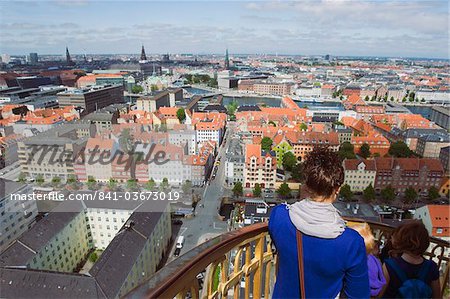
[{"x": 244, "y": 258}]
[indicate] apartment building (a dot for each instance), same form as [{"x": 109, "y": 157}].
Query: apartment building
[
  {"x": 411, "y": 136},
  {"x": 402, "y": 173},
  {"x": 441, "y": 115},
  {"x": 182, "y": 137},
  {"x": 444, "y": 154},
  {"x": 165, "y": 98},
  {"x": 91, "y": 98},
  {"x": 209, "y": 126},
  {"x": 304, "y": 142},
  {"x": 99, "y": 153},
  {"x": 171, "y": 167},
  {"x": 61, "y": 241},
  {"x": 235, "y": 163},
  {"x": 201, "y": 164},
  {"x": 52, "y": 153},
  {"x": 260, "y": 167},
  {"x": 436, "y": 220},
  {"x": 359, "y": 174},
  {"x": 429, "y": 146},
  {"x": 377, "y": 142},
  {"x": 16, "y": 216},
  {"x": 272, "y": 88}
]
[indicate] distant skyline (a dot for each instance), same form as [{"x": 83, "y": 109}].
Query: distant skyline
[{"x": 340, "y": 28}]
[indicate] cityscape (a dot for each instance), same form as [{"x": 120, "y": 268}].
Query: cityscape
[{"x": 144, "y": 158}]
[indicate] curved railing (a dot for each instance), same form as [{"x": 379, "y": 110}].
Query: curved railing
[{"x": 242, "y": 262}]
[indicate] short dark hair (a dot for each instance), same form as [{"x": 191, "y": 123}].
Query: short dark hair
[
  {"x": 323, "y": 171},
  {"x": 411, "y": 237}
]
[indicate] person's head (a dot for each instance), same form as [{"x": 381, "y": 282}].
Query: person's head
[
  {"x": 364, "y": 230},
  {"x": 324, "y": 173},
  {"x": 411, "y": 238}
]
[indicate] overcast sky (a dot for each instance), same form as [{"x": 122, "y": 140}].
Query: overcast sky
[{"x": 373, "y": 28}]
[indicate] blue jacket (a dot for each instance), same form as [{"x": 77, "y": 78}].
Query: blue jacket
[{"x": 331, "y": 265}]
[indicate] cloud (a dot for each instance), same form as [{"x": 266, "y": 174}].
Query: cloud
[{"x": 307, "y": 27}]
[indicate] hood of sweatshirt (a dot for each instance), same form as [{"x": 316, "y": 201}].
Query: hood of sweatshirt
[{"x": 317, "y": 219}]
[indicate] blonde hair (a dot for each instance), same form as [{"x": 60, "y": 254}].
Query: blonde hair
[{"x": 364, "y": 230}]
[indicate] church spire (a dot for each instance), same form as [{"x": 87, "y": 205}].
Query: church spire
[
  {"x": 68, "y": 59},
  {"x": 227, "y": 60},
  {"x": 143, "y": 56}
]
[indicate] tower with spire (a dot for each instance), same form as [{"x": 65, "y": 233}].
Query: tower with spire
[
  {"x": 143, "y": 56},
  {"x": 68, "y": 59},
  {"x": 227, "y": 60}
]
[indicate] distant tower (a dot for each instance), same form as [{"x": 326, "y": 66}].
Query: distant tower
[
  {"x": 227, "y": 61},
  {"x": 68, "y": 59},
  {"x": 143, "y": 56}
]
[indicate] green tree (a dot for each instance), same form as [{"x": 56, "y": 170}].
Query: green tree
[
  {"x": 364, "y": 151},
  {"x": 391, "y": 99},
  {"x": 212, "y": 82},
  {"x": 257, "y": 190},
  {"x": 72, "y": 179},
  {"x": 91, "y": 183},
  {"x": 266, "y": 144},
  {"x": 399, "y": 149},
  {"x": 297, "y": 173},
  {"x": 369, "y": 193},
  {"x": 93, "y": 257},
  {"x": 303, "y": 127},
  {"x": 132, "y": 185},
  {"x": 181, "y": 115},
  {"x": 39, "y": 179},
  {"x": 284, "y": 190},
  {"x": 373, "y": 99},
  {"x": 346, "y": 192},
  {"x": 289, "y": 161},
  {"x": 232, "y": 107},
  {"x": 137, "y": 89},
  {"x": 22, "y": 178},
  {"x": 433, "y": 193},
  {"x": 164, "y": 186},
  {"x": 150, "y": 185},
  {"x": 412, "y": 96},
  {"x": 187, "y": 187},
  {"x": 154, "y": 87},
  {"x": 55, "y": 181},
  {"x": 388, "y": 194},
  {"x": 238, "y": 190},
  {"x": 366, "y": 99},
  {"x": 410, "y": 195},
  {"x": 347, "y": 151},
  {"x": 112, "y": 184}
]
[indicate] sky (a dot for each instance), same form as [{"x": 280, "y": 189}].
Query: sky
[{"x": 309, "y": 27}]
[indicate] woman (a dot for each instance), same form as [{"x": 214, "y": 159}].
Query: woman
[
  {"x": 334, "y": 256},
  {"x": 409, "y": 242}
]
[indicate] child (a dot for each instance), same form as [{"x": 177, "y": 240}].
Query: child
[
  {"x": 376, "y": 277},
  {"x": 407, "y": 273}
]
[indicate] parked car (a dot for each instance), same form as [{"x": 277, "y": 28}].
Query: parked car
[
  {"x": 177, "y": 222},
  {"x": 177, "y": 252}
]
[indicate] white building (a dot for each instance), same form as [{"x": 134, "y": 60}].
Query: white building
[{"x": 359, "y": 174}]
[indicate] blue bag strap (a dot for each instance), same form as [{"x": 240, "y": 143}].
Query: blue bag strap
[
  {"x": 398, "y": 271},
  {"x": 423, "y": 273}
]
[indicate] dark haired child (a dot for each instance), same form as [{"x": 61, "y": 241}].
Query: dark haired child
[{"x": 408, "y": 274}]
